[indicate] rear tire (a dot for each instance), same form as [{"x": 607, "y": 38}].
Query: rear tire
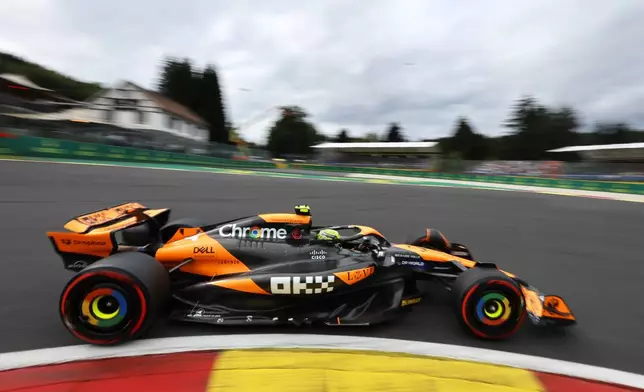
[
  {"x": 115, "y": 299},
  {"x": 488, "y": 303}
]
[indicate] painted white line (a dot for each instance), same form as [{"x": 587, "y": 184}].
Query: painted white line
[
  {"x": 227, "y": 342},
  {"x": 196, "y": 169},
  {"x": 512, "y": 187},
  {"x": 434, "y": 183}
]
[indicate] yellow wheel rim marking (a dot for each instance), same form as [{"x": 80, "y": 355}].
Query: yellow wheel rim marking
[
  {"x": 497, "y": 313},
  {"x": 104, "y": 316}
]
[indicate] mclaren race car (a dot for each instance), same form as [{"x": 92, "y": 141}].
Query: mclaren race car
[{"x": 133, "y": 265}]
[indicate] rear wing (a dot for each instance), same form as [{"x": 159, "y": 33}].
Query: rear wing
[
  {"x": 115, "y": 217},
  {"x": 93, "y": 235}
]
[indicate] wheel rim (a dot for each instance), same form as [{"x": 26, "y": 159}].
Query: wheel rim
[
  {"x": 494, "y": 309},
  {"x": 103, "y": 307}
]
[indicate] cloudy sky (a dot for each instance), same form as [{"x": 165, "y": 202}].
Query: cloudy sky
[{"x": 357, "y": 64}]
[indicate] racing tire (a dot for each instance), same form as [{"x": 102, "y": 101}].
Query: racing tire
[
  {"x": 488, "y": 303},
  {"x": 116, "y": 299},
  {"x": 169, "y": 230}
]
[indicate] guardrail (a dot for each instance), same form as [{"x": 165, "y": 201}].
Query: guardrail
[
  {"x": 602, "y": 186},
  {"x": 30, "y": 146}
]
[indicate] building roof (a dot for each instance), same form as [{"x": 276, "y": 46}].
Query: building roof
[
  {"x": 23, "y": 81},
  {"x": 370, "y": 145},
  {"x": 171, "y": 106},
  {"x": 598, "y": 147},
  {"x": 174, "y": 107}
]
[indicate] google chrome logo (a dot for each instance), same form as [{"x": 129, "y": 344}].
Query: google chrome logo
[{"x": 255, "y": 232}]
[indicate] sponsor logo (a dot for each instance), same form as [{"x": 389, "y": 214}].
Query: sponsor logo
[
  {"x": 416, "y": 263},
  {"x": 254, "y": 232},
  {"x": 227, "y": 262},
  {"x": 202, "y": 313},
  {"x": 83, "y": 242},
  {"x": 89, "y": 242},
  {"x": 203, "y": 250},
  {"x": 360, "y": 274},
  {"x": 296, "y": 234},
  {"x": 407, "y": 255},
  {"x": 302, "y": 285},
  {"x": 410, "y": 301},
  {"x": 79, "y": 265},
  {"x": 318, "y": 254},
  {"x": 459, "y": 253}
]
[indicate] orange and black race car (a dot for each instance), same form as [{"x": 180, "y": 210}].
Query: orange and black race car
[{"x": 134, "y": 265}]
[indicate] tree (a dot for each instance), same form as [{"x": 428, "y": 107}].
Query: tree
[
  {"x": 199, "y": 91},
  {"x": 177, "y": 82},
  {"x": 343, "y": 137},
  {"x": 538, "y": 129},
  {"x": 394, "y": 133},
  {"x": 562, "y": 125},
  {"x": 371, "y": 137},
  {"x": 292, "y": 134},
  {"x": 465, "y": 143},
  {"x": 611, "y": 133},
  {"x": 210, "y": 105},
  {"x": 61, "y": 84}
]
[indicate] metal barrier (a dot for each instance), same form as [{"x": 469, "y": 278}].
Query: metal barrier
[
  {"x": 604, "y": 186},
  {"x": 116, "y": 136},
  {"x": 29, "y": 146}
]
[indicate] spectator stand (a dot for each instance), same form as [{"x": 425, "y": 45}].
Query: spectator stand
[
  {"x": 623, "y": 162},
  {"x": 420, "y": 156},
  {"x": 125, "y": 115},
  {"x": 18, "y": 94}
]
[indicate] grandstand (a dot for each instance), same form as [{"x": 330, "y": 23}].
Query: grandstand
[
  {"x": 18, "y": 94},
  {"x": 624, "y": 161},
  {"x": 418, "y": 155},
  {"x": 625, "y": 152}
]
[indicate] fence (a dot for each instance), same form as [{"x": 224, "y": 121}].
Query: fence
[
  {"x": 592, "y": 170},
  {"x": 29, "y": 146},
  {"x": 160, "y": 142},
  {"x": 116, "y": 136}
]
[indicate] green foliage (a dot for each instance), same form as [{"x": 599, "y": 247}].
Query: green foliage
[
  {"x": 292, "y": 134},
  {"x": 394, "y": 133},
  {"x": 465, "y": 143},
  {"x": 371, "y": 137},
  {"x": 199, "y": 91},
  {"x": 534, "y": 128},
  {"x": 343, "y": 137},
  {"x": 538, "y": 129},
  {"x": 615, "y": 133},
  {"x": 61, "y": 84}
]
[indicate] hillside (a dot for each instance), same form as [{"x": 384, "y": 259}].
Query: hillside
[{"x": 62, "y": 84}]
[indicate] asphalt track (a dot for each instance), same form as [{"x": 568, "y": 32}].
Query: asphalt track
[{"x": 589, "y": 251}]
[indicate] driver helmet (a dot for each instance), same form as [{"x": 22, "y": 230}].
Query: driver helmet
[{"x": 328, "y": 235}]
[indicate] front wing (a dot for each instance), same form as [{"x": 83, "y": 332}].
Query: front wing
[{"x": 545, "y": 309}]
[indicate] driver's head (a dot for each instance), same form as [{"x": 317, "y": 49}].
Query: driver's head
[{"x": 328, "y": 235}]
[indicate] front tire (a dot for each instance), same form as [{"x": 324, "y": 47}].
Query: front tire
[
  {"x": 488, "y": 303},
  {"x": 115, "y": 299}
]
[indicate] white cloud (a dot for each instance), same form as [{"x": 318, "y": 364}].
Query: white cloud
[{"x": 357, "y": 64}]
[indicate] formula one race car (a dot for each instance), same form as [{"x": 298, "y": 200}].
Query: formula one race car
[{"x": 133, "y": 265}]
